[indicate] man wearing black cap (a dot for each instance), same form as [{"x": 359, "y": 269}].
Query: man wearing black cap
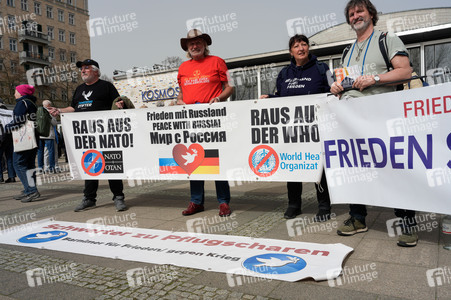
[{"x": 94, "y": 94}]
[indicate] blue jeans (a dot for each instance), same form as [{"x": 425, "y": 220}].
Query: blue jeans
[
  {"x": 50, "y": 144},
  {"x": 23, "y": 162},
  {"x": 198, "y": 192}
]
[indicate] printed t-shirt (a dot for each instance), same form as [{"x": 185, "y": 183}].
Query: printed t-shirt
[
  {"x": 374, "y": 62},
  {"x": 97, "y": 96},
  {"x": 201, "y": 80}
]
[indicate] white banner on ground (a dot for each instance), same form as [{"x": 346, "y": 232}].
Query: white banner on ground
[
  {"x": 390, "y": 150},
  {"x": 266, "y": 258},
  {"x": 269, "y": 140}
]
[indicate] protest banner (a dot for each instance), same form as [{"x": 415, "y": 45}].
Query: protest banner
[
  {"x": 269, "y": 258},
  {"x": 264, "y": 140},
  {"x": 390, "y": 150}
]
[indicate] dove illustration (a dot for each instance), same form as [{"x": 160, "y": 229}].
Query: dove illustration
[
  {"x": 276, "y": 262},
  {"x": 86, "y": 95},
  {"x": 40, "y": 236},
  {"x": 189, "y": 157}
]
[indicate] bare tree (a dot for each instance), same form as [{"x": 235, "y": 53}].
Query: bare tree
[
  {"x": 172, "y": 62},
  {"x": 11, "y": 75}
]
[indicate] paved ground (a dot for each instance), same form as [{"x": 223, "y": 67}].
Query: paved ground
[{"x": 377, "y": 269}]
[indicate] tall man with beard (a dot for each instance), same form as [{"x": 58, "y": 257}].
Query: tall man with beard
[
  {"x": 368, "y": 69},
  {"x": 93, "y": 95}
]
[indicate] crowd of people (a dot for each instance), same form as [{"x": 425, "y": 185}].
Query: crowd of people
[{"x": 96, "y": 94}]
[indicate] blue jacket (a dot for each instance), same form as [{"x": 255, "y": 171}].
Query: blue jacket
[
  {"x": 21, "y": 110},
  {"x": 302, "y": 80}
]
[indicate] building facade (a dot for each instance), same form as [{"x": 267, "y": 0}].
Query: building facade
[{"x": 40, "y": 42}]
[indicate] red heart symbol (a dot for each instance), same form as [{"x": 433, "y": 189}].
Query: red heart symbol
[{"x": 188, "y": 158}]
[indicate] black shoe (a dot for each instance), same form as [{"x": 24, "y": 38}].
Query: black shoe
[
  {"x": 9, "y": 180},
  {"x": 31, "y": 197},
  {"x": 292, "y": 212},
  {"x": 85, "y": 204},
  {"x": 322, "y": 216},
  {"x": 20, "y": 197},
  {"x": 119, "y": 203},
  {"x": 2, "y": 180}
]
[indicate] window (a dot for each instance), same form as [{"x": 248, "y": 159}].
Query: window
[
  {"x": 64, "y": 95},
  {"x": 49, "y": 12},
  {"x": 62, "y": 35},
  {"x": 71, "y": 19},
  {"x": 13, "y": 45},
  {"x": 1, "y": 64},
  {"x": 60, "y": 15},
  {"x": 37, "y": 8},
  {"x": 50, "y": 32},
  {"x": 70, "y": 2},
  {"x": 73, "y": 57},
  {"x": 24, "y": 4},
  {"x": 438, "y": 62},
  {"x": 414, "y": 57},
  {"x": 62, "y": 55},
  {"x": 10, "y": 3},
  {"x": 53, "y": 94},
  {"x": 72, "y": 38},
  {"x": 13, "y": 67},
  {"x": 11, "y": 22},
  {"x": 1, "y": 42},
  {"x": 52, "y": 53}
]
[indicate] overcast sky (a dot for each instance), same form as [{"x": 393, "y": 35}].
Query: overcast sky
[{"x": 151, "y": 29}]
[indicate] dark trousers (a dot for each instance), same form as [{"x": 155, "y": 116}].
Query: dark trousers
[
  {"x": 322, "y": 194},
  {"x": 358, "y": 211},
  {"x": 91, "y": 186},
  {"x": 198, "y": 192}
]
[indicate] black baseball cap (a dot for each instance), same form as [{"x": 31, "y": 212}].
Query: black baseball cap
[{"x": 87, "y": 62}]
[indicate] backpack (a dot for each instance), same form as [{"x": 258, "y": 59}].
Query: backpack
[
  {"x": 43, "y": 121},
  {"x": 320, "y": 65},
  {"x": 383, "y": 48}
]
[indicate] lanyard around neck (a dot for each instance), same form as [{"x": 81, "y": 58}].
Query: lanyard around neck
[{"x": 364, "y": 57}]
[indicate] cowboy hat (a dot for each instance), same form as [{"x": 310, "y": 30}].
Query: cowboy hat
[{"x": 193, "y": 34}]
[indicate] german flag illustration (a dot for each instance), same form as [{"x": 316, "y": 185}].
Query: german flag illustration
[{"x": 209, "y": 165}]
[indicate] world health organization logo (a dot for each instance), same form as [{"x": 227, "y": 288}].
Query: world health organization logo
[
  {"x": 274, "y": 263},
  {"x": 42, "y": 237}
]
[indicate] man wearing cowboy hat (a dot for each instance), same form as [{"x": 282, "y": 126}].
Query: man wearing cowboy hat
[{"x": 203, "y": 79}]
